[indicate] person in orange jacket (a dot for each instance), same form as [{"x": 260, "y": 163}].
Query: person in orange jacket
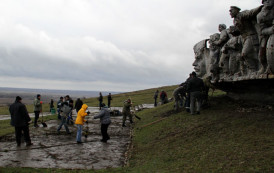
[{"x": 80, "y": 120}]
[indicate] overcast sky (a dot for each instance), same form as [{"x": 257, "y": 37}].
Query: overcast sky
[{"x": 105, "y": 45}]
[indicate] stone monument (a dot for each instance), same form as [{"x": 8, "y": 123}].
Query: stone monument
[{"x": 240, "y": 59}]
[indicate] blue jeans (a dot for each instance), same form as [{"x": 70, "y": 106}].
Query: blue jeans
[
  {"x": 63, "y": 122},
  {"x": 79, "y": 133}
]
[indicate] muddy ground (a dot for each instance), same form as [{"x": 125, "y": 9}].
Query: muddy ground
[{"x": 53, "y": 150}]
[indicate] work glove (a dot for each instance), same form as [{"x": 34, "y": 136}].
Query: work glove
[{"x": 41, "y": 102}]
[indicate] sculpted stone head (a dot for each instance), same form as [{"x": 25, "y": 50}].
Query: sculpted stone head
[
  {"x": 199, "y": 63},
  {"x": 234, "y": 11},
  {"x": 268, "y": 3},
  {"x": 222, "y": 27}
]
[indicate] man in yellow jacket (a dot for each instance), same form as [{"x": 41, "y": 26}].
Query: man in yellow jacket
[{"x": 80, "y": 122}]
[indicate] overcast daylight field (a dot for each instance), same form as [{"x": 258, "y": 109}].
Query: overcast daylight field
[{"x": 106, "y": 45}]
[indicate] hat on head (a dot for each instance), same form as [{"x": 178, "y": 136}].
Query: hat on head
[
  {"x": 235, "y": 8},
  {"x": 38, "y": 95}
]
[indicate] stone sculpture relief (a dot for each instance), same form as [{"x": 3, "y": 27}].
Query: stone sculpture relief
[{"x": 244, "y": 51}]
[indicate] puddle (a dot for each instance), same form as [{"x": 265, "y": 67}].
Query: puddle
[{"x": 53, "y": 150}]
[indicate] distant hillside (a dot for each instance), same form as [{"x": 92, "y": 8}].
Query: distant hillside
[{"x": 7, "y": 95}]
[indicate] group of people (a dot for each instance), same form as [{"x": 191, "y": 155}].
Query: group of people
[
  {"x": 163, "y": 97},
  {"x": 21, "y": 120},
  {"x": 193, "y": 90},
  {"x": 100, "y": 99}
]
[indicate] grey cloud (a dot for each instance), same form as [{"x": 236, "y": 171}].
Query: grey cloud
[{"x": 118, "y": 42}]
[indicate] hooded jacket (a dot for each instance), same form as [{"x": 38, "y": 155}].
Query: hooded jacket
[
  {"x": 81, "y": 115},
  {"x": 104, "y": 116}
]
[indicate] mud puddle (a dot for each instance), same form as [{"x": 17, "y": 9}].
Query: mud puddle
[{"x": 53, "y": 150}]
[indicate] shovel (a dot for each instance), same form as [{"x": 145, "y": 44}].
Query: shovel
[{"x": 43, "y": 123}]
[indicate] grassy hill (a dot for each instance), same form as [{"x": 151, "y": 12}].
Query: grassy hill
[{"x": 227, "y": 137}]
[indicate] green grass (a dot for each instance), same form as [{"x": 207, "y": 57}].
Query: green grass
[
  {"x": 220, "y": 139},
  {"x": 138, "y": 97},
  {"x": 227, "y": 137},
  {"x": 6, "y": 128},
  {"x": 4, "y": 110}
]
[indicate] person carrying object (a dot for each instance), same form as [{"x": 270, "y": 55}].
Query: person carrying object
[
  {"x": 104, "y": 116},
  {"x": 20, "y": 120},
  {"x": 80, "y": 120}
]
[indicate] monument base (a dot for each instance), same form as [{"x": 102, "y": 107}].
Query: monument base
[{"x": 258, "y": 91}]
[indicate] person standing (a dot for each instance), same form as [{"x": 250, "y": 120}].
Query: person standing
[
  {"x": 100, "y": 98},
  {"x": 163, "y": 97},
  {"x": 78, "y": 104},
  {"x": 51, "y": 105},
  {"x": 37, "y": 108},
  {"x": 195, "y": 88},
  {"x": 59, "y": 105},
  {"x": 69, "y": 100},
  {"x": 155, "y": 97},
  {"x": 104, "y": 116},
  {"x": 20, "y": 120},
  {"x": 187, "y": 102},
  {"x": 126, "y": 112},
  {"x": 109, "y": 99},
  {"x": 80, "y": 122},
  {"x": 65, "y": 111}
]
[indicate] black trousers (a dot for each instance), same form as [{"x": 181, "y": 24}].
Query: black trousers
[
  {"x": 36, "y": 113},
  {"x": 18, "y": 134},
  {"x": 104, "y": 131}
]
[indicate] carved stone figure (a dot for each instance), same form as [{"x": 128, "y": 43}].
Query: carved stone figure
[
  {"x": 235, "y": 65},
  {"x": 232, "y": 50},
  {"x": 214, "y": 55},
  {"x": 202, "y": 60},
  {"x": 223, "y": 62},
  {"x": 244, "y": 22},
  {"x": 265, "y": 20}
]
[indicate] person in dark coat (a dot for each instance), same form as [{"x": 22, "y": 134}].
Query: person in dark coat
[
  {"x": 155, "y": 97},
  {"x": 109, "y": 99},
  {"x": 20, "y": 120},
  {"x": 51, "y": 105},
  {"x": 187, "y": 102},
  {"x": 100, "y": 98},
  {"x": 195, "y": 87},
  {"x": 78, "y": 104}
]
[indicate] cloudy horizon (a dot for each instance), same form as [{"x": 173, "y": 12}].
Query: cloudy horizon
[{"x": 106, "y": 45}]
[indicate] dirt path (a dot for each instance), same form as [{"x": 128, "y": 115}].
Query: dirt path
[{"x": 52, "y": 150}]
